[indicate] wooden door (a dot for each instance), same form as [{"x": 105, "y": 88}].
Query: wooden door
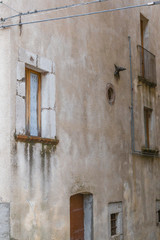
[{"x": 76, "y": 217}]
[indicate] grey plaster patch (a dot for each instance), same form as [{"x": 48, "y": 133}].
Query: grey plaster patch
[
  {"x": 4, "y": 221},
  {"x": 88, "y": 216}
]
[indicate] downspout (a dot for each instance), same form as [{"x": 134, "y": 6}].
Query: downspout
[
  {"x": 132, "y": 115},
  {"x": 132, "y": 110}
]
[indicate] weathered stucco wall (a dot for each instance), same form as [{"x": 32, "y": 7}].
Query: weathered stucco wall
[
  {"x": 94, "y": 152},
  {"x": 5, "y": 116}
]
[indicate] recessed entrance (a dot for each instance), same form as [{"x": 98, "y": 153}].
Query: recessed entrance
[{"x": 81, "y": 217}]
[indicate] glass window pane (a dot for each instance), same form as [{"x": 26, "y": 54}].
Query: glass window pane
[{"x": 33, "y": 104}]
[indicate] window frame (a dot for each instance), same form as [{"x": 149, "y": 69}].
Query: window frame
[{"x": 28, "y": 102}]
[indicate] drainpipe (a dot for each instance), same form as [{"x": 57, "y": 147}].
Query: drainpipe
[
  {"x": 132, "y": 115},
  {"x": 132, "y": 110}
]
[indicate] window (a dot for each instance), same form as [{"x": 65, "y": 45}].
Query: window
[
  {"x": 147, "y": 59},
  {"x": 35, "y": 97},
  {"x": 147, "y": 123},
  {"x": 144, "y": 31},
  {"x": 159, "y": 216},
  {"x": 143, "y": 25},
  {"x": 114, "y": 224},
  {"x": 115, "y": 220},
  {"x": 33, "y": 103},
  {"x": 158, "y": 212}
]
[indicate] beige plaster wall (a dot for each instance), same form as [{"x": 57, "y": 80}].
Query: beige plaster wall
[{"x": 94, "y": 152}]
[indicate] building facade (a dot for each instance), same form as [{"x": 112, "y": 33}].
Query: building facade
[{"x": 79, "y": 146}]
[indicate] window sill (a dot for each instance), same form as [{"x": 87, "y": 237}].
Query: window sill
[
  {"x": 34, "y": 139},
  {"x": 147, "y": 82},
  {"x": 151, "y": 151},
  {"x": 116, "y": 237}
]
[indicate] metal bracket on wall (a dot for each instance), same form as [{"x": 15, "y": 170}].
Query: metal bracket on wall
[{"x": 117, "y": 70}]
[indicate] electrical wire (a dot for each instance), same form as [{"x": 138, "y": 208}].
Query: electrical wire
[
  {"x": 54, "y": 9},
  {"x": 9, "y": 7},
  {"x": 81, "y": 15}
]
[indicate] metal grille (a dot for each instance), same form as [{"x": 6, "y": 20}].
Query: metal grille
[
  {"x": 147, "y": 67},
  {"x": 113, "y": 224}
]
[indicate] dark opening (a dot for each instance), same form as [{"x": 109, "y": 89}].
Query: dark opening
[
  {"x": 158, "y": 216},
  {"x": 110, "y": 93},
  {"x": 114, "y": 224},
  {"x": 147, "y": 122}
]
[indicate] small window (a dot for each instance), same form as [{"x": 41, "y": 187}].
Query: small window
[
  {"x": 147, "y": 123},
  {"x": 158, "y": 212},
  {"x": 115, "y": 220},
  {"x": 158, "y": 216},
  {"x": 114, "y": 224},
  {"x": 33, "y": 103}
]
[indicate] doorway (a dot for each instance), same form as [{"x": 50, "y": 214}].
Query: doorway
[{"x": 81, "y": 217}]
